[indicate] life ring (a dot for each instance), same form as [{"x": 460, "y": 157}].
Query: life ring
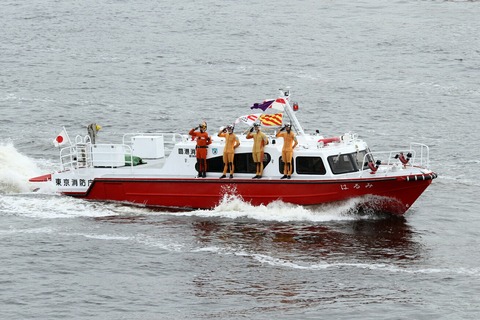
[{"x": 329, "y": 140}]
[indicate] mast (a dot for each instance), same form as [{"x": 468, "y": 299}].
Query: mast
[{"x": 285, "y": 94}]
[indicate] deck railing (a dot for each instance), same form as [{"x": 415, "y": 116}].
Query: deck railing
[
  {"x": 84, "y": 154},
  {"x": 420, "y": 156},
  {"x": 88, "y": 155}
]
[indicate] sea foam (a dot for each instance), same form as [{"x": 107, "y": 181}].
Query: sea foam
[
  {"x": 15, "y": 169},
  {"x": 234, "y": 207}
]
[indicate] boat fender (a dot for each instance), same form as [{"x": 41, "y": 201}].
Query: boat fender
[
  {"x": 415, "y": 178},
  {"x": 374, "y": 167},
  {"x": 422, "y": 177}
]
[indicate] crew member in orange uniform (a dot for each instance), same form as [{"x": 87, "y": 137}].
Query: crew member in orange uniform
[
  {"x": 231, "y": 143},
  {"x": 260, "y": 140},
  {"x": 203, "y": 140},
  {"x": 289, "y": 143}
]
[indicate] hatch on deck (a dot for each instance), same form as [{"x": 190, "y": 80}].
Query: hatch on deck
[
  {"x": 148, "y": 147},
  {"x": 108, "y": 155}
]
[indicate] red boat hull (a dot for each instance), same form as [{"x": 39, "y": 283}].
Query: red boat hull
[{"x": 393, "y": 195}]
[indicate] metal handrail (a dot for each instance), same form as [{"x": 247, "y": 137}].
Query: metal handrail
[
  {"x": 419, "y": 151},
  {"x": 81, "y": 155},
  {"x": 424, "y": 153}
]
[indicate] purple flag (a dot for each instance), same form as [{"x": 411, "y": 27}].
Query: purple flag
[{"x": 264, "y": 105}]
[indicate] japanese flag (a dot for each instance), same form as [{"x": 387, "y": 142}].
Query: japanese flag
[{"x": 61, "y": 139}]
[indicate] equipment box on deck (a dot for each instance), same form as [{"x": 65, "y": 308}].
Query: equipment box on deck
[
  {"x": 108, "y": 155},
  {"x": 148, "y": 147}
]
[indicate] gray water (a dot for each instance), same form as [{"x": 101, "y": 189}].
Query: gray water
[{"x": 391, "y": 71}]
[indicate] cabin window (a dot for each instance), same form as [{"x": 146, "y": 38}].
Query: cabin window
[
  {"x": 243, "y": 163},
  {"x": 360, "y": 155},
  {"x": 310, "y": 165},
  {"x": 342, "y": 163}
]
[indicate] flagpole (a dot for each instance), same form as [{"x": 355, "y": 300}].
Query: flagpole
[
  {"x": 68, "y": 137},
  {"x": 288, "y": 110}
]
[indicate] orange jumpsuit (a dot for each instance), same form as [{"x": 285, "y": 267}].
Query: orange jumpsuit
[
  {"x": 259, "y": 141},
  {"x": 289, "y": 143},
  {"x": 203, "y": 140},
  {"x": 231, "y": 142}
]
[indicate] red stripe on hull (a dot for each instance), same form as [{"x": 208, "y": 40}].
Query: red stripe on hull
[{"x": 398, "y": 194}]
